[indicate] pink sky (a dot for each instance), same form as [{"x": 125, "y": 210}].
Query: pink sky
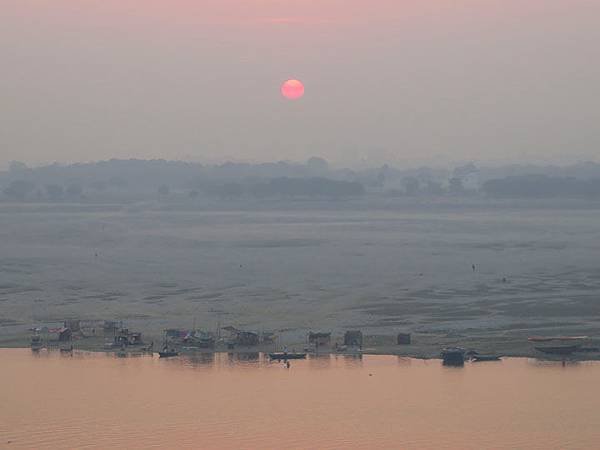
[{"x": 385, "y": 80}]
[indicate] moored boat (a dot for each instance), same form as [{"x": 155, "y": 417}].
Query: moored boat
[{"x": 168, "y": 353}]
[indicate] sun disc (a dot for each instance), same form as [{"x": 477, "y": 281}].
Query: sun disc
[{"x": 292, "y": 89}]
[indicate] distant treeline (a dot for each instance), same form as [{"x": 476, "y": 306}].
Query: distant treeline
[
  {"x": 542, "y": 186},
  {"x": 133, "y": 180},
  {"x": 291, "y": 187}
]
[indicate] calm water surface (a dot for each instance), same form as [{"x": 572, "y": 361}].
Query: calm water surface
[{"x": 244, "y": 402}]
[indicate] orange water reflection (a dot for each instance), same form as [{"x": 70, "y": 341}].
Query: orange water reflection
[{"x": 230, "y": 402}]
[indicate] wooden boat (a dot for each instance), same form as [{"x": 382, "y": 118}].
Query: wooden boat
[
  {"x": 558, "y": 350},
  {"x": 483, "y": 358},
  {"x": 282, "y": 356}
]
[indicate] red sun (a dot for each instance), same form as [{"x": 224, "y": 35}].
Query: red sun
[{"x": 292, "y": 89}]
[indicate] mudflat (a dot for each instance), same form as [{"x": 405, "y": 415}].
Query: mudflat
[{"x": 479, "y": 274}]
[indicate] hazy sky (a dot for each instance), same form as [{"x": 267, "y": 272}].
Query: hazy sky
[{"x": 386, "y": 81}]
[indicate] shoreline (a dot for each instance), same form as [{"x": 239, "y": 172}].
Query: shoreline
[{"x": 403, "y": 351}]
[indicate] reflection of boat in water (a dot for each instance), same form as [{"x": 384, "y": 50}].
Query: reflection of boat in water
[
  {"x": 558, "y": 345},
  {"x": 165, "y": 353},
  {"x": 36, "y": 343},
  {"x": 483, "y": 358},
  {"x": 453, "y": 356},
  {"x": 282, "y": 356},
  {"x": 558, "y": 350}
]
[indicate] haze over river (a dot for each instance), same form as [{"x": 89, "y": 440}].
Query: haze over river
[{"x": 222, "y": 401}]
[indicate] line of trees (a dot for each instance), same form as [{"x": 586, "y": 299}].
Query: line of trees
[{"x": 541, "y": 186}]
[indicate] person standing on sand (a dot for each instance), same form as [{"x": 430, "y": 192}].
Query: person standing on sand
[{"x": 473, "y": 266}]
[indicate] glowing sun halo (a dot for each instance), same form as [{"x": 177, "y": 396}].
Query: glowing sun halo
[{"x": 292, "y": 89}]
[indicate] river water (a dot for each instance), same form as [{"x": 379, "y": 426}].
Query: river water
[{"x": 224, "y": 401}]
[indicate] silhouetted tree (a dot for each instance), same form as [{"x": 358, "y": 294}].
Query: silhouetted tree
[
  {"x": 74, "y": 190},
  {"x": 19, "y": 189},
  {"x": 455, "y": 186},
  {"x": 54, "y": 191},
  {"x": 411, "y": 185},
  {"x": 434, "y": 188}
]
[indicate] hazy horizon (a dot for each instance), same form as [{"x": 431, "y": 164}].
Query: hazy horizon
[{"x": 401, "y": 82}]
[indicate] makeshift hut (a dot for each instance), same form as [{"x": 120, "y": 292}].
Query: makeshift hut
[
  {"x": 353, "y": 338},
  {"x": 246, "y": 338},
  {"x": 109, "y": 327},
  {"x": 64, "y": 334},
  {"x": 73, "y": 324},
  {"x": 199, "y": 339},
  {"x": 319, "y": 339},
  {"x": 174, "y": 333},
  {"x": 403, "y": 338},
  {"x": 267, "y": 338},
  {"x": 126, "y": 337}
]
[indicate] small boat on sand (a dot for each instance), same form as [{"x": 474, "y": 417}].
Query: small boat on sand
[{"x": 282, "y": 356}]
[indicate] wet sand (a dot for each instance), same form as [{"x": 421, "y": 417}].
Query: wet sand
[{"x": 381, "y": 268}]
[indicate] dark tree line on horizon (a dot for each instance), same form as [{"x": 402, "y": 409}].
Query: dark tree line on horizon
[{"x": 313, "y": 179}]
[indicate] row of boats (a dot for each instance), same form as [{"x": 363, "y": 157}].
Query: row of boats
[{"x": 553, "y": 345}]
